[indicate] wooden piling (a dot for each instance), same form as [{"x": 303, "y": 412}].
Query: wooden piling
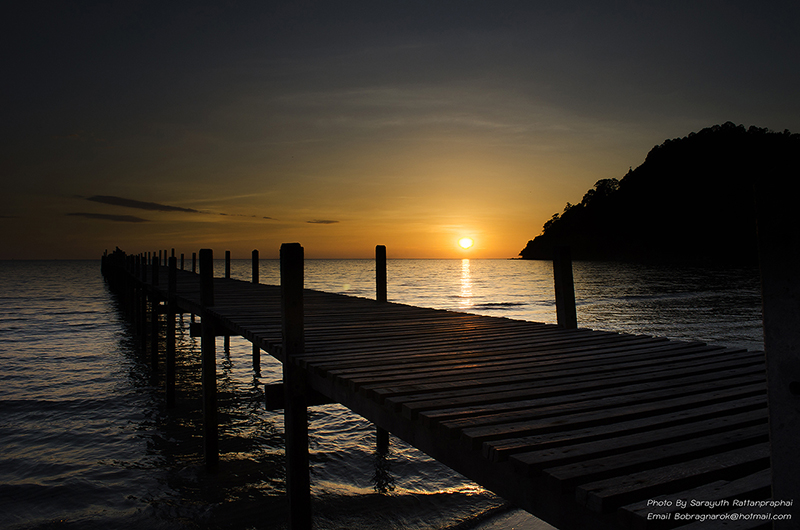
[
  {"x": 154, "y": 269},
  {"x": 227, "y": 263},
  {"x": 255, "y": 266},
  {"x": 209, "y": 365},
  {"x": 380, "y": 273},
  {"x": 170, "y": 328},
  {"x": 154, "y": 322},
  {"x": 779, "y": 259},
  {"x": 295, "y": 414},
  {"x": 256, "y": 349},
  {"x": 381, "y": 295},
  {"x": 194, "y": 262},
  {"x": 566, "y": 314}
]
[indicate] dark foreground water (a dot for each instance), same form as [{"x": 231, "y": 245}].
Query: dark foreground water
[{"x": 85, "y": 440}]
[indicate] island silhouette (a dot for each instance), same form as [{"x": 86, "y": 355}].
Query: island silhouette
[{"x": 690, "y": 201}]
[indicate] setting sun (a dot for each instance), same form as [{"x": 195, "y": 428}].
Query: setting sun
[{"x": 465, "y": 242}]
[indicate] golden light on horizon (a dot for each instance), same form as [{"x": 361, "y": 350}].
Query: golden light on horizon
[{"x": 465, "y": 242}]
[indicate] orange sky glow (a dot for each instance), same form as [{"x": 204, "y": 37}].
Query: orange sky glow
[{"x": 407, "y": 124}]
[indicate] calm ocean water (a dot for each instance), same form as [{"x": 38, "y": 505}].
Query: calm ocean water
[{"x": 85, "y": 440}]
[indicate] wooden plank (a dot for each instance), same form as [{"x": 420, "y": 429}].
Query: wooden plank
[
  {"x": 455, "y": 413},
  {"x": 655, "y": 455},
  {"x": 534, "y": 453},
  {"x": 497, "y": 372},
  {"x": 413, "y": 405},
  {"x": 477, "y": 435},
  {"x": 608, "y": 494}
]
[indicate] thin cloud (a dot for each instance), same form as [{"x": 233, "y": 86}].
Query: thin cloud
[
  {"x": 110, "y": 217},
  {"x": 322, "y": 222},
  {"x": 141, "y": 205}
]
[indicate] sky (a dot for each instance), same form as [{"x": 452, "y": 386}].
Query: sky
[{"x": 343, "y": 125}]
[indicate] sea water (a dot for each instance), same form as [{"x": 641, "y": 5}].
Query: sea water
[{"x": 86, "y": 442}]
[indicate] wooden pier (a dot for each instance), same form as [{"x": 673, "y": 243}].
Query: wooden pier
[{"x": 584, "y": 429}]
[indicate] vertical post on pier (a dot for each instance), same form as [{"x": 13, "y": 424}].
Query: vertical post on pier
[
  {"x": 154, "y": 267},
  {"x": 194, "y": 262},
  {"x": 256, "y": 349},
  {"x": 779, "y": 260},
  {"x": 170, "y": 327},
  {"x": 565, "y": 290},
  {"x": 380, "y": 274},
  {"x": 181, "y": 260},
  {"x": 381, "y": 296},
  {"x": 295, "y": 413},
  {"x": 154, "y": 307},
  {"x": 255, "y": 266},
  {"x": 226, "y": 341},
  {"x": 143, "y": 307},
  {"x": 209, "y": 364}
]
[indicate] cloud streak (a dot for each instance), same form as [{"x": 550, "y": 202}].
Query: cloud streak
[
  {"x": 109, "y": 217},
  {"x": 322, "y": 222},
  {"x": 141, "y": 205}
]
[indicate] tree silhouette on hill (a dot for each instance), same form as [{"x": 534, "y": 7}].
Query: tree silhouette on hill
[{"x": 691, "y": 200}]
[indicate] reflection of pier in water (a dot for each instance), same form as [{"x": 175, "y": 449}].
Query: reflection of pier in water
[{"x": 583, "y": 429}]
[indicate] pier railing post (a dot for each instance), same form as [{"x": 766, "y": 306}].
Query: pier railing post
[
  {"x": 227, "y": 263},
  {"x": 381, "y": 295},
  {"x": 170, "y": 327},
  {"x": 256, "y": 349},
  {"x": 209, "y": 363},
  {"x": 380, "y": 274},
  {"x": 779, "y": 260},
  {"x": 295, "y": 414},
  {"x": 566, "y": 314}
]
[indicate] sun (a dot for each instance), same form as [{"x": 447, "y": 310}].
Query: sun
[{"x": 465, "y": 242}]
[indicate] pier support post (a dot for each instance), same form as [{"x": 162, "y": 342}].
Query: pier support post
[
  {"x": 381, "y": 295},
  {"x": 380, "y": 274},
  {"x": 566, "y": 314},
  {"x": 209, "y": 364},
  {"x": 154, "y": 331},
  {"x": 779, "y": 259},
  {"x": 143, "y": 305},
  {"x": 170, "y": 327},
  {"x": 226, "y": 341},
  {"x": 295, "y": 413},
  {"x": 256, "y": 349}
]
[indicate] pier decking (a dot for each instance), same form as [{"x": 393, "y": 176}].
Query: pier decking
[{"x": 582, "y": 428}]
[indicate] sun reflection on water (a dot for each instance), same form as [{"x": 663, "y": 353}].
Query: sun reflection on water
[{"x": 466, "y": 285}]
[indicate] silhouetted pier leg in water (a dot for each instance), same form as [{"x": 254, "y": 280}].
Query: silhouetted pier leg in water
[
  {"x": 226, "y": 340},
  {"x": 295, "y": 413},
  {"x": 381, "y": 296},
  {"x": 154, "y": 306},
  {"x": 256, "y": 349},
  {"x": 143, "y": 305},
  {"x": 170, "y": 324},
  {"x": 566, "y": 314},
  {"x": 208, "y": 352},
  {"x": 779, "y": 256}
]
